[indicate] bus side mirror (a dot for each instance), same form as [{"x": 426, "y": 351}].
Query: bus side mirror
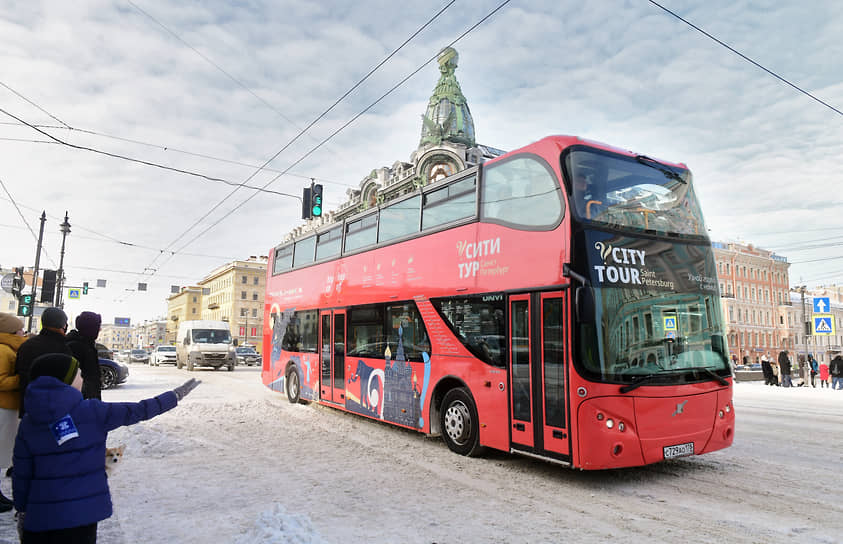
[
  {"x": 584, "y": 302},
  {"x": 186, "y": 340},
  {"x": 235, "y": 342}
]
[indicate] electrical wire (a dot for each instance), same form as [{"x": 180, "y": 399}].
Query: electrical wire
[
  {"x": 148, "y": 163},
  {"x": 25, "y": 222},
  {"x": 299, "y": 135},
  {"x": 343, "y": 127},
  {"x": 735, "y": 51},
  {"x": 22, "y": 97}
]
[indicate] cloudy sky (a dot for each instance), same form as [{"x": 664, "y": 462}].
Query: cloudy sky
[{"x": 217, "y": 88}]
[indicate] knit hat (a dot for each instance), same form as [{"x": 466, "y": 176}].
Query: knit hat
[
  {"x": 10, "y": 324},
  {"x": 57, "y": 365},
  {"x": 54, "y": 318},
  {"x": 88, "y": 324}
]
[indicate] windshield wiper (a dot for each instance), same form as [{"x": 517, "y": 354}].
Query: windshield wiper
[
  {"x": 714, "y": 376},
  {"x": 638, "y": 383},
  {"x": 653, "y": 163}
]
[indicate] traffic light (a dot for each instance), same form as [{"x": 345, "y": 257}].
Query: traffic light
[
  {"x": 316, "y": 201},
  {"x": 17, "y": 281},
  {"x": 48, "y": 286},
  {"x": 25, "y": 305},
  {"x": 305, "y": 203},
  {"x": 85, "y": 288}
]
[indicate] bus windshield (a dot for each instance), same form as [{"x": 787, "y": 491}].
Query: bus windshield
[
  {"x": 650, "y": 307},
  {"x": 632, "y": 192}
]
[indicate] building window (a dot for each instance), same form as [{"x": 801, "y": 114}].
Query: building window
[
  {"x": 254, "y": 312},
  {"x": 256, "y": 280},
  {"x": 254, "y": 331},
  {"x": 243, "y": 295},
  {"x": 193, "y": 310},
  {"x": 244, "y": 312},
  {"x": 245, "y": 279},
  {"x": 255, "y": 295}
]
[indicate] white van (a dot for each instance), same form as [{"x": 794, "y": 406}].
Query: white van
[{"x": 205, "y": 343}]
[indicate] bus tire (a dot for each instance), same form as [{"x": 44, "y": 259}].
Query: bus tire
[
  {"x": 459, "y": 423},
  {"x": 178, "y": 362},
  {"x": 189, "y": 364},
  {"x": 293, "y": 385}
]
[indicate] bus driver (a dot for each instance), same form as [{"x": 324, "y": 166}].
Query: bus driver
[{"x": 584, "y": 196}]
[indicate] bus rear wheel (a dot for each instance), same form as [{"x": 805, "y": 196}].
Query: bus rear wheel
[
  {"x": 459, "y": 422},
  {"x": 293, "y": 385}
]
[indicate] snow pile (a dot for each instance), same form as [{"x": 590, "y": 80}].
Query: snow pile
[{"x": 276, "y": 526}]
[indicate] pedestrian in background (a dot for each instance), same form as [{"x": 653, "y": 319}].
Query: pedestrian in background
[
  {"x": 60, "y": 486},
  {"x": 767, "y": 369},
  {"x": 784, "y": 369},
  {"x": 11, "y": 338},
  {"x": 836, "y": 371},
  {"x": 824, "y": 374},
  {"x": 814, "y": 369},
  {"x": 82, "y": 342},
  {"x": 49, "y": 340}
]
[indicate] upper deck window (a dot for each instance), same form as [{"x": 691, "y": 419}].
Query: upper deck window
[
  {"x": 521, "y": 191},
  {"x": 632, "y": 192},
  {"x": 283, "y": 259},
  {"x": 399, "y": 219},
  {"x": 361, "y": 233},
  {"x": 448, "y": 204},
  {"x": 328, "y": 244},
  {"x": 305, "y": 250}
]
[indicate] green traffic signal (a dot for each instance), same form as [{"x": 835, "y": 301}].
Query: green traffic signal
[
  {"x": 85, "y": 288},
  {"x": 25, "y": 305},
  {"x": 316, "y": 201}
]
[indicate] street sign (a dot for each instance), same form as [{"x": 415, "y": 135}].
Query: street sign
[
  {"x": 75, "y": 294},
  {"x": 670, "y": 334},
  {"x": 823, "y": 324},
  {"x": 669, "y": 323},
  {"x": 821, "y": 305},
  {"x": 6, "y": 282}
]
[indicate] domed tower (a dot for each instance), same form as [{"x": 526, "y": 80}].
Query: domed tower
[{"x": 447, "y": 117}]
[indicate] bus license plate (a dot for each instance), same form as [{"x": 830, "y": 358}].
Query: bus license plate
[{"x": 679, "y": 450}]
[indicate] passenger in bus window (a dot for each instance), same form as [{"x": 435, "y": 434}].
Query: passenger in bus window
[{"x": 583, "y": 195}]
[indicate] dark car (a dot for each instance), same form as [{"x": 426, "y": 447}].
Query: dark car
[
  {"x": 246, "y": 355},
  {"x": 138, "y": 356},
  {"x": 104, "y": 352},
  {"x": 112, "y": 374}
]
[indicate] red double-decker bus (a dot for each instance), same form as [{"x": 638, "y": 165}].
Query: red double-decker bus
[{"x": 559, "y": 301}]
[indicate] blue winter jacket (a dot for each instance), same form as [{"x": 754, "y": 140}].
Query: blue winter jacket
[{"x": 64, "y": 485}]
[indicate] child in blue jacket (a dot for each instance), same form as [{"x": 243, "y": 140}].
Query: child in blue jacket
[{"x": 59, "y": 482}]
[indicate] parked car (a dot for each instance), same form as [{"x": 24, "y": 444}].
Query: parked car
[
  {"x": 112, "y": 373},
  {"x": 138, "y": 356},
  {"x": 122, "y": 355},
  {"x": 163, "y": 354},
  {"x": 246, "y": 355},
  {"x": 103, "y": 352}
]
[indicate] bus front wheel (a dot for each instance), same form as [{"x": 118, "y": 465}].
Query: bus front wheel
[
  {"x": 293, "y": 385},
  {"x": 460, "y": 426}
]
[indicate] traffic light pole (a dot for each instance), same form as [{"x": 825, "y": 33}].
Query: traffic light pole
[
  {"x": 65, "y": 230},
  {"x": 37, "y": 263}
]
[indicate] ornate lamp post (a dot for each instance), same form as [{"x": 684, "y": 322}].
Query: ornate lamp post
[{"x": 65, "y": 230}]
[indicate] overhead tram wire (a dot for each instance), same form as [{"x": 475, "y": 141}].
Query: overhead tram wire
[
  {"x": 147, "y": 163},
  {"x": 161, "y": 148},
  {"x": 370, "y": 106},
  {"x": 25, "y": 222},
  {"x": 22, "y": 97},
  {"x": 735, "y": 51},
  {"x": 303, "y": 131}
]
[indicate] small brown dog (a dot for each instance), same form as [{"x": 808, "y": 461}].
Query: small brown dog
[{"x": 113, "y": 456}]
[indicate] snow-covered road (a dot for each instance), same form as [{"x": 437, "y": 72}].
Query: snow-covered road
[{"x": 236, "y": 463}]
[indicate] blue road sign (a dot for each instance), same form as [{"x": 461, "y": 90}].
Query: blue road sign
[
  {"x": 669, "y": 323},
  {"x": 821, "y": 305},
  {"x": 823, "y": 324},
  {"x": 73, "y": 293}
]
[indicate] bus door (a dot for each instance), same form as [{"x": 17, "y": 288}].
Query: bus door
[
  {"x": 332, "y": 355},
  {"x": 538, "y": 374}
]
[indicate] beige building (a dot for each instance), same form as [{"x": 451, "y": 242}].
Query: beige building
[
  {"x": 234, "y": 292},
  {"x": 185, "y": 305},
  {"x": 755, "y": 298},
  {"x": 150, "y": 334},
  {"x": 116, "y": 337}
]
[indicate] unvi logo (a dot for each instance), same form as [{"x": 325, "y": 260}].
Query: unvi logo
[{"x": 615, "y": 260}]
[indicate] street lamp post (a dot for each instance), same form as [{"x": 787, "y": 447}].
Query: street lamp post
[
  {"x": 37, "y": 264},
  {"x": 65, "y": 230}
]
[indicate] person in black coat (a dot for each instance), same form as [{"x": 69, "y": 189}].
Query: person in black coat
[
  {"x": 82, "y": 342},
  {"x": 50, "y": 340},
  {"x": 784, "y": 369}
]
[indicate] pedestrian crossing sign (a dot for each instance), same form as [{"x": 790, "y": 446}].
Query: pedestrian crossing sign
[
  {"x": 73, "y": 293},
  {"x": 823, "y": 324},
  {"x": 670, "y": 323}
]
